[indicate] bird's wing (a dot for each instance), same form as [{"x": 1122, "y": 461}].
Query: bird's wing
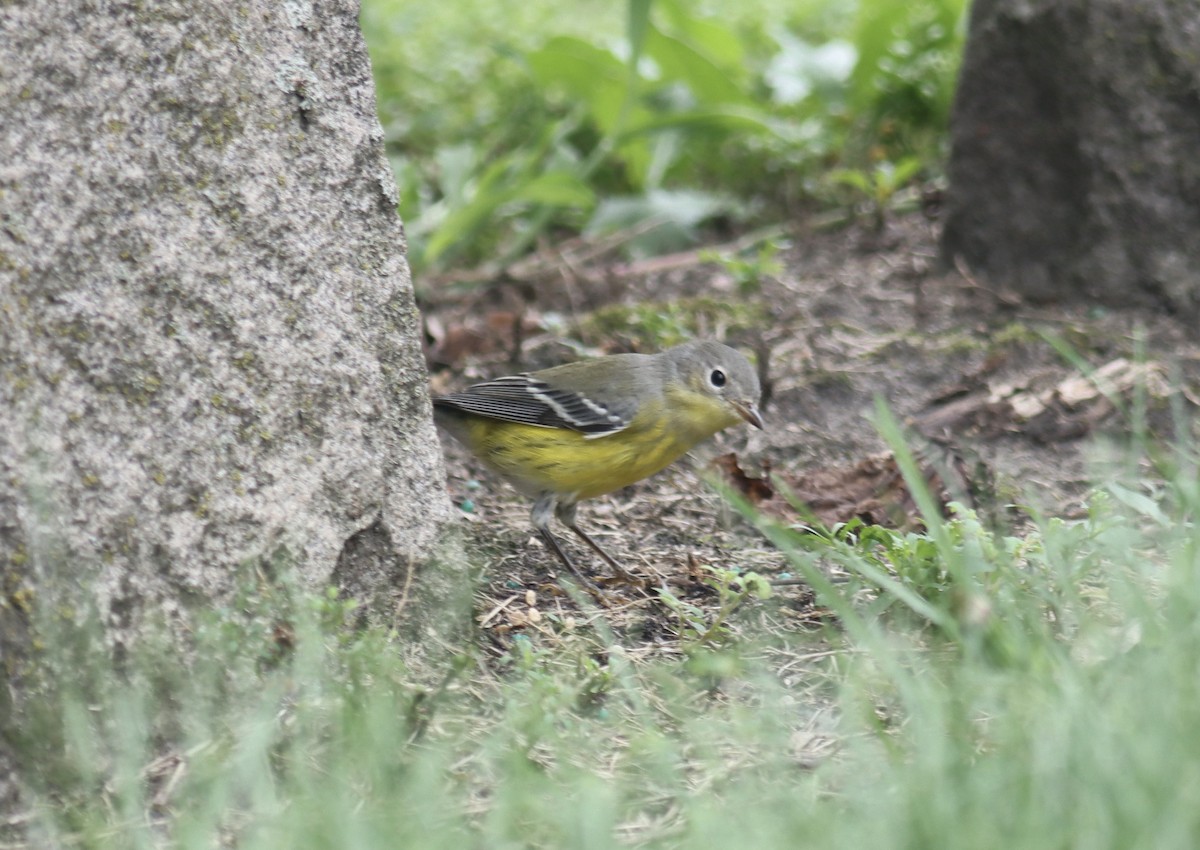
[{"x": 532, "y": 401}]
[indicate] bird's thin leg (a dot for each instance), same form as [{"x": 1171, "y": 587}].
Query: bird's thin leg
[
  {"x": 566, "y": 515},
  {"x": 557, "y": 549},
  {"x": 543, "y": 509}
]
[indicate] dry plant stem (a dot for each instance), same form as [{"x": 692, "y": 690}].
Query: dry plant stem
[
  {"x": 402, "y": 603},
  {"x": 1005, "y": 298},
  {"x": 583, "y": 254},
  {"x": 803, "y": 582},
  {"x": 697, "y": 256}
]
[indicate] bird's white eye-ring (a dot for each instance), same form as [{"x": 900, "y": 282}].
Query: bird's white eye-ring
[{"x": 717, "y": 378}]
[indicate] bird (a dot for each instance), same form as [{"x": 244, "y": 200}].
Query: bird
[{"x": 580, "y": 430}]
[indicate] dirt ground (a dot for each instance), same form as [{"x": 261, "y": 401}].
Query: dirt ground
[{"x": 1004, "y": 418}]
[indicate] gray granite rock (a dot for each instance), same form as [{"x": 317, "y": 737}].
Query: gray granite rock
[{"x": 209, "y": 351}]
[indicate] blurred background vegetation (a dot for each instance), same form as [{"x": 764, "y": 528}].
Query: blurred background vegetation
[{"x": 508, "y": 120}]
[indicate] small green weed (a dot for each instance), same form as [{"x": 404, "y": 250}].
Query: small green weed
[
  {"x": 699, "y": 627},
  {"x": 877, "y": 188},
  {"x": 749, "y": 268}
]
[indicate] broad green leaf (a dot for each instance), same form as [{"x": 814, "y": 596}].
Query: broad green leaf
[
  {"x": 592, "y": 75},
  {"x": 851, "y": 177},
  {"x": 725, "y": 119},
  {"x": 903, "y": 171},
  {"x": 556, "y": 189},
  {"x": 462, "y": 223},
  {"x": 638, "y": 22},
  {"x": 677, "y": 214},
  {"x": 682, "y": 62},
  {"x": 502, "y": 184},
  {"x": 715, "y": 39},
  {"x": 455, "y": 163},
  {"x": 1139, "y": 503}
]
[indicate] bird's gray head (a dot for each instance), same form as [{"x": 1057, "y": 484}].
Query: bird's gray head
[{"x": 717, "y": 370}]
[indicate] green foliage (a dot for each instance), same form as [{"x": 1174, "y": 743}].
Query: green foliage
[
  {"x": 903, "y": 83},
  {"x": 506, "y": 119}
]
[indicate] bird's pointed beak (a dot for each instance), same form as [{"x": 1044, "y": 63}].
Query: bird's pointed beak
[{"x": 748, "y": 410}]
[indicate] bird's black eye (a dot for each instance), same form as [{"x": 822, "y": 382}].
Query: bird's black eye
[{"x": 717, "y": 378}]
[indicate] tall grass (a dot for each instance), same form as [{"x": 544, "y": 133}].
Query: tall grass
[{"x": 1039, "y": 691}]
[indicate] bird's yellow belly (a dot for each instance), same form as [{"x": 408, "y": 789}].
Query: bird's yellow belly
[{"x": 538, "y": 460}]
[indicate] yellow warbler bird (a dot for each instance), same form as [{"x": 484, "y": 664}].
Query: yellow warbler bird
[{"x": 580, "y": 430}]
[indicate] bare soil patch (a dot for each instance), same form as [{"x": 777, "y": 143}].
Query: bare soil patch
[{"x": 1000, "y": 416}]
